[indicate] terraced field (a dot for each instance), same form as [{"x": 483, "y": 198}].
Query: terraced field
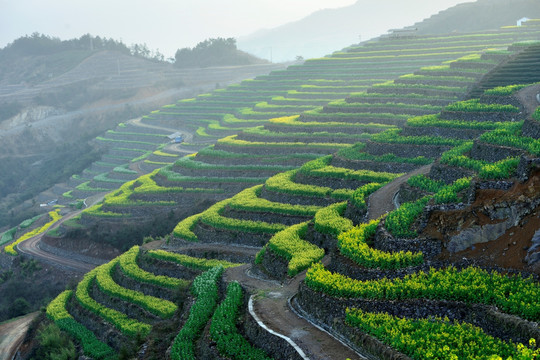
[{"x": 392, "y": 286}]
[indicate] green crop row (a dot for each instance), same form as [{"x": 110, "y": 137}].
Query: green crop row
[
  {"x": 54, "y": 217},
  {"x": 260, "y": 131},
  {"x": 28, "y": 222},
  {"x": 124, "y": 170},
  {"x": 174, "y": 176},
  {"x": 536, "y": 114},
  {"x": 358, "y": 198},
  {"x": 391, "y": 84},
  {"x": 68, "y": 194},
  {"x": 405, "y": 96},
  {"x": 294, "y": 121},
  {"x": 354, "y": 153},
  {"x": 212, "y": 217},
  {"x": 205, "y": 289},
  {"x": 184, "y": 229},
  {"x": 100, "y": 138},
  {"x": 357, "y": 105},
  {"x": 284, "y": 183},
  {"x": 399, "y": 221},
  {"x": 128, "y": 264},
  {"x": 509, "y": 138},
  {"x": 57, "y": 312},
  {"x": 329, "y": 220},
  {"x": 97, "y": 210},
  {"x": 121, "y": 321},
  {"x": 249, "y": 200},
  {"x": 474, "y": 105},
  {"x": 103, "y": 178},
  {"x": 435, "y": 120},
  {"x": 290, "y": 244},
  {"x": 424, "y": 183},
  {"x": 230, "y": 343},
  {"x": 85, "y": 187},
  {"x": 433, "y": 338},
  {"x": 431, "y": 77},
  {"x": 393, "y": 136},
  {"x": 512, "y": 294},
  {"x": 134, "y": 133},
  {"x": 189, "y": 261},
  {"x": 162, "y": 308},
  {"x": 354, "y": 245},
  {"x": 506, "y": 90},
  {"x": 449, "y": 193},
  {"x": 231, "y": 140},
  {"x": 502, "y": 169},
  {"x": 188, "y": 163},
  {"x": 8, "y": 235},
  {"x": 318, "y": 113}
]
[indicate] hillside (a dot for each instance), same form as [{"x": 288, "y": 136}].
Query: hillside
[
  {"x": 388, "y": 194},
  {"x": 324, "y": 31},
  {"x": 55, "y": 98}
]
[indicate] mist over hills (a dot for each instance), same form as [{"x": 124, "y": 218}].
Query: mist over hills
[{"x": 327, "y": 30}]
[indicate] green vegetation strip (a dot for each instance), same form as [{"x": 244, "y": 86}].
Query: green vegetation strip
[
  {"x": 205, "y": 289},
  {"x": 121, "y": 321},
  {"x": 128, "y": 265},
  {"x": 249, "y": 200},
  {"x": 355, "y": 153},
  {"x": 512, "y": 294},
  {"x": 162, "y": 308},
  {"x": 434, "y": 338},
  {"x": 512, "y": 139},
  {"x": 290, "y": 244},
  {"x": 230, "y": 343},
  {"x": 474, "y": 105},
  {"x": 393, "y": 136},
  {"x": 54, "y": 216},
  {"x": 502, "y": 169},
  {"x": 435, "y": 121},
  {"x": 57, "y": 312},
  {"x": 189, "y": 261}
]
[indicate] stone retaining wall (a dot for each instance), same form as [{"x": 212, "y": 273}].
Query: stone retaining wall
[
  {"x": 331, "y": 182},
  {"x": 481, "y": 116},
  {"x": 455, "y": 133},
  {"x": 295, "y": 199},
  {"x": 527, "y": 166},
  {"x": 448, "y": 174},
  {"x": 207, "y": 233},
  {"x": 493, "y": 153},
  {"x": 275, "y": 150},
  {"x": 406, "y": 150},
  {"x": 384, "y": 241},
  {"x": 531, "y": 128},
  {"x": 268, "y": 217},
  {"x": 391, "y": 167}
]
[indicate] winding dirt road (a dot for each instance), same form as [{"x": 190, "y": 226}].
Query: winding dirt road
[
  {"x": 271, "y": 304},
  {"x": 12, "y": 334},
  {"x": 381, "y": 201}
]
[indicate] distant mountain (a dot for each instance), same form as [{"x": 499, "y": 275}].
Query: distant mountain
[{"x": 327, "y": 30}]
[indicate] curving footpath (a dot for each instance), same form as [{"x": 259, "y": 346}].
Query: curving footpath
[
  {"x": 381, "y": 201},
  {"x": 12, "y": 334}
]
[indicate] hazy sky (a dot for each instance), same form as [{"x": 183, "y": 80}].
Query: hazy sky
[{"x": 162, "y": 24}]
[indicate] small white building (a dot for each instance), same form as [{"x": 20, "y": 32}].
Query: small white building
[{"x": 522, "y": 20}]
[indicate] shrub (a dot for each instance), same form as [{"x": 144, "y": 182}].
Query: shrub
[
  {"x": 424, "y": 183},
  {"x": 56, "y": 311},
  {"x": 422, "y": 338},
  {"x": 329, "y": 221},
  {"x": 354, "y": 245},
  {"x": 205, "y": 289},
  {"x": 184, "y": 229},
  {"x": 223, "y": 331},
  {"x": 474, "y": 105},
  {"x": 512, "y": 294},
  {"x": 189, "y": 261},
  {"x": 399, "y": 221},
  {"x": 289, "y": 243},
  {"x": 358, "y": 198}
]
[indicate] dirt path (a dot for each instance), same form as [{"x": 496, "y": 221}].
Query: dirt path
[
  {"x": 381, "y": 201},
  {"x": 272, "y": 307},
  {"x": 31, "y": 246},
  {"x": 12, "y": 334}
]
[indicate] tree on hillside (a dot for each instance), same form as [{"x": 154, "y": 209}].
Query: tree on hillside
[{"x": 214, "y": 52}]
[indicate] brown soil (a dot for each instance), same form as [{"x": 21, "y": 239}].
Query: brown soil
[{"x": 509, "y": 250}]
